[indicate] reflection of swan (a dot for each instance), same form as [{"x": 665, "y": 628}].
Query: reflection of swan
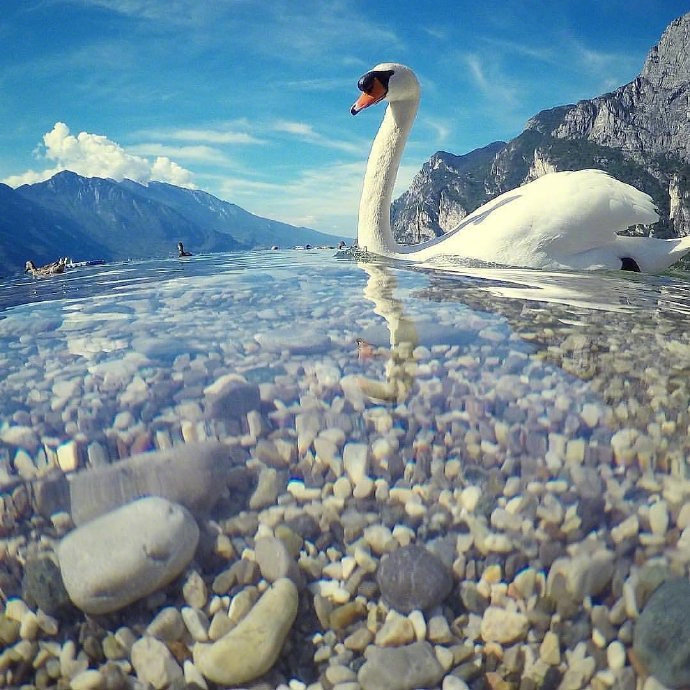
[
  {"x": 400, "y": 367},
  {"x": 561, "y": 220}
]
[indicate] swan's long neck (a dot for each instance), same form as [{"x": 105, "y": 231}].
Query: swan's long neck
[{"x": 374, "y": 226}]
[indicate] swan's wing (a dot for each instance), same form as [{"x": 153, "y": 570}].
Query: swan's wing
[{"x": 557, "y": 215}]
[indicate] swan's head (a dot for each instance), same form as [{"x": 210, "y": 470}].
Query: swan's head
[{"x": 390, "y": 81}]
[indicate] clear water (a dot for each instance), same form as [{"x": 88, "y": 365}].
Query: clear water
[
  {"x": 619, "y": 341},
  {"x": 511, "y": 372}
]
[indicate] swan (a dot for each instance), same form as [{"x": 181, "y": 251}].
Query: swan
[{"x": 562, "y": 220}]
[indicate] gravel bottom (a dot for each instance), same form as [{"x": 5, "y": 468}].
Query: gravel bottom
[{"x": 533, "y": 452}]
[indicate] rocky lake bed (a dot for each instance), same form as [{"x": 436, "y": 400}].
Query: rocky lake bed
[{"x": 309, "y": 474}]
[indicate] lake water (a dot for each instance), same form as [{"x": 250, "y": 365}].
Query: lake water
[{"x": 528, "y": 428}]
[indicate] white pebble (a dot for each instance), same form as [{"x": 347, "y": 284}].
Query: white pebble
[
  {"x": 418, "y": 623},
  {"x": 87, "y": 680},
  {"x": 193, "y": 677},
  {"x": 615, "y": 655},
  {"x": 658, "y": 518},
  {"x": 470, "y": 497},
  {"x": 196, "y": 623}
]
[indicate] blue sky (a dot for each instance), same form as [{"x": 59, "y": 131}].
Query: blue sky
[{"x": 250, "y": 100}]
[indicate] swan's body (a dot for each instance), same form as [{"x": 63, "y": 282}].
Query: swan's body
[{"x": 561, "y": 220}]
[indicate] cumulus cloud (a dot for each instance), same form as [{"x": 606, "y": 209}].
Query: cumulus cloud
[{"x": 94, "y": 155}]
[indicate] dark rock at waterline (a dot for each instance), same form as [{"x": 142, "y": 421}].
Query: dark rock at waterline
[
  {"x": 192, "y": 474},
  {"x": 661, "y": 640},
  {"x": 43, "y": 587},
  {"x": 413, "y": 578}
]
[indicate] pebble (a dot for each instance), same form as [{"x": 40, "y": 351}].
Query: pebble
[
  {"x": 412, "y": 577},
  {"x": 397, "y": 630},
  {"x": 658, "y": 518},
  {"x": 615, "y": 655},
  {"x": 252, "y": 647},
  {"x": 500, "y": 625},
  {"x": 275, "y": 560},
  {"x": 355, "y": 462},
  {"x": 196, "y": 623},
  {"x": 154, "y": 663},
  {"x": 400, "y": 668},
  {"x": 126, "y": 554},
  {"x": 194, "y": 590},
  {"x": 586, "y": 574},
  {"x": 87, "y": 680}
]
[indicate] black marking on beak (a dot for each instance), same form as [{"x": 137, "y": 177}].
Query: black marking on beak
[{"x": 366, "y": 81}]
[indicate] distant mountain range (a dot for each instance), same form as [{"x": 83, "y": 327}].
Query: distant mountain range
[
  {"x": 640, "y": 133},
  {"x": 96, "y": 218}
]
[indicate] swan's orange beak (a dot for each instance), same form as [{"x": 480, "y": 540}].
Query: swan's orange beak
[{"x": 375, "y": 94}]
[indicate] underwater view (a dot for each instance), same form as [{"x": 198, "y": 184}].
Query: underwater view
[{"x": 316, "y": 470}]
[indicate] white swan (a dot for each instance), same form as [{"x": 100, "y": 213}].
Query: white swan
[{"x": 561, "y": 220}]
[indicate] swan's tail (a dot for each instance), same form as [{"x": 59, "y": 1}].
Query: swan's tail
[{"x": 653, "y": 255}]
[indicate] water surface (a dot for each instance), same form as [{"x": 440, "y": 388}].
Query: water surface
[{"x": 564, "y": 388}]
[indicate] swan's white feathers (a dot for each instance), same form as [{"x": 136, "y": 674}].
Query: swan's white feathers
[
  {"x": 551, "y": 218},
  {"x": 565, "y": 219}
]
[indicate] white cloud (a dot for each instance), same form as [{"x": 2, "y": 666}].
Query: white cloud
[
  {"x": 94, "y": 155},
  {"x": 441, "y": 127},
  {"x": 200, "y": 154},
  {"x": 203, "y": 136},
  {"x": 494, "y": 85},
  {"x": 300, "y": 128}
]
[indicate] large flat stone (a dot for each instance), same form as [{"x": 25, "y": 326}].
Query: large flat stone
[
  {"x": 193, "y": 475},
  {"x": 126, "y": 554}
]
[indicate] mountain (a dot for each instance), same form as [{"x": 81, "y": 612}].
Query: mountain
[
  {"x": 86, "y": 218},
  {"x": 640, "y": 133},
  {"x": 30, "y": 231},
  {"x": 206, "y": 210}
]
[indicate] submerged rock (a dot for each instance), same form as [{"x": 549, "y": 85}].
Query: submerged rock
[
  {"x": 297, "y": 341},
  {"x": 43, "y": 585},
  {"x": 192, "y": 474},
  {"x": 231, "y": 397},
  {"x": 400, "y": 668},
  {"x": 413, "y": 578},
  {"x": 661, "y": 639},
  {"x": 126, "y": 554},
  {"x": 251, "y": 648}
]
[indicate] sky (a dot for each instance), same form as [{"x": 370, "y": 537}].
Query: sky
[{"x": 249, "y": 100}]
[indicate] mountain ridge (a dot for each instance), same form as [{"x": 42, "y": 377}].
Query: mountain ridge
[{"x": 94, "y": 217}]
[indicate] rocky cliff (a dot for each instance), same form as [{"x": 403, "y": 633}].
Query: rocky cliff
[{"x": 640, "y": 133}]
